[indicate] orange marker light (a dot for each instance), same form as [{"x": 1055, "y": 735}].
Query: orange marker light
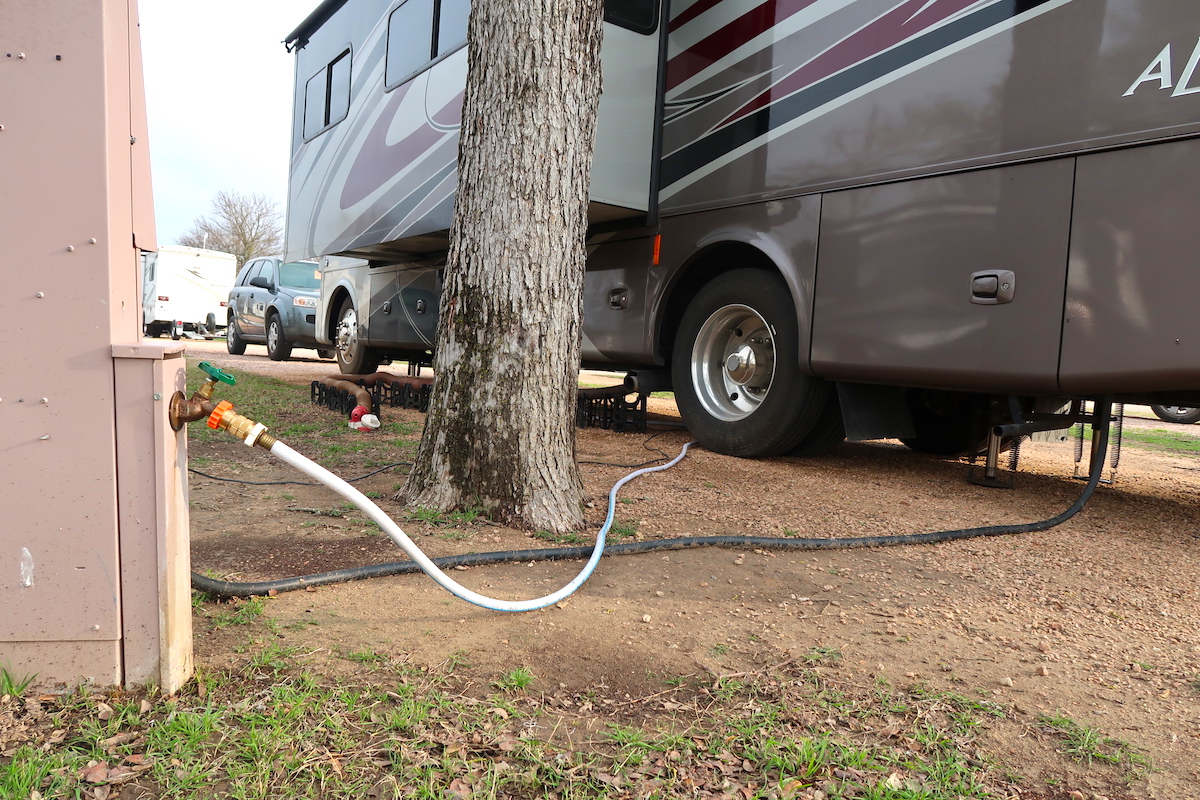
[{"x": 657, "y": 248}]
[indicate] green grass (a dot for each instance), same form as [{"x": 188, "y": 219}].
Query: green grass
[
  {"x": 562, "y": 538},
  {"x": 1160, "y": 439},
  {"x": 242, "y": 612},
  {"x": 1156, "y": 439},
  {"x": 270, "y": 728},
  {"x": 1088, "y": 745},
  {"x": 515, "y": 680},
  {"x": 13, "y": 685},
  {"x": 444, "y": 519},
  {"x": 622, "y": 530}
]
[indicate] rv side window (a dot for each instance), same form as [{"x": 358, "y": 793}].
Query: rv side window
[
  {"x": 410, "y": 31},
  {"x": 636, "y": 15},
  {"x": 420, "y": 32},
  {"x": 327, "y": 95},
  {"x": 452, "y": 24}
]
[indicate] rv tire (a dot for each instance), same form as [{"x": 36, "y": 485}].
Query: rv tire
[
  {"x": 1183, "y": 414},
  {"x": 827, "y": 433},
  {"x": 736, "y": 368},
  {"x": 278, "y": 347},
  {"x": 234, "y": 342},
  {"x": 353, "y": 357}
]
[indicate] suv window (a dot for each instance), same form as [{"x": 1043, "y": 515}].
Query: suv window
[
  {"x": 243, "y": 278},
  {"x": 300, "y": 275}
]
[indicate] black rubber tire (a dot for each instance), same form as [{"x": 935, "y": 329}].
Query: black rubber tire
[
  {"x": 234, "y": 342},
  {"x": 791, "y": 403},
  {"x": 946, "y": 423},
  {"x": 1182, "y": 414},
  {"x": 357, "y": 359},
  {"x": 326, "y": 354},
  {"x": 827, "y": 433},
  {"x": 278, "y": 346}
]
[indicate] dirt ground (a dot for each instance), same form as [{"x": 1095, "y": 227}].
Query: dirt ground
[{"x": 1096, "y": 619}]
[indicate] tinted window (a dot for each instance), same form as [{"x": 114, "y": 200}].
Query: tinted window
[
  {"x": 339, "y": 89},
  {"x": 637, "y": 15},
  {"x": 410, "y": 31},
  {"x": 452, "y": 24},
  {"x": 300, "y": 275},
  {"x": 314, "y": 104},
  {"x": 247, "y": 271},
  {"x": 263, "y": 270},
  {"x": 327, "y": 95}
]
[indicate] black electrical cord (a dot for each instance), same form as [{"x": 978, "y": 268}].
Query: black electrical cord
[
  {"x": 1100, "y": 415},
  {"x": 296, "y": 483}
]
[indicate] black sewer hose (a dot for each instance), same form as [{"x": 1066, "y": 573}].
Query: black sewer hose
[{"x": 1101, "y": 417}]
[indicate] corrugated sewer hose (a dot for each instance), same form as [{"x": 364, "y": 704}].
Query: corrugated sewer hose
[{"x": 435, "y": 567}]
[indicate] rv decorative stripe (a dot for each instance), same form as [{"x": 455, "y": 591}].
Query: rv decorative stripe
[
  {"x": 906, "y": 21},
  {"x": 716, "y": 46},
  {"x": 691, "y": 12},
  {"x": 761, "y": 121}
]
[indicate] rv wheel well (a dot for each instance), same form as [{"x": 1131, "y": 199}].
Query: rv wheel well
[
  {"x": 704, "y": 266},
  {"x": 331, "y": 311}
]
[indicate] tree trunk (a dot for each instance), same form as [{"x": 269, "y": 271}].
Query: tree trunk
[{"x": 500, "y": 433}]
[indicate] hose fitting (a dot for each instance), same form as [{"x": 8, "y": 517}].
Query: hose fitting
[{"x": 224, "y": 418}]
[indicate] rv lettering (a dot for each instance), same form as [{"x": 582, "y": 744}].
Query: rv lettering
[{"x": 1160, "y": 70}]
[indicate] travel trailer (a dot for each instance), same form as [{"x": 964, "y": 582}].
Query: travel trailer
[
  {"x": 185, "y": 291},
  {"x": 810, "y": 218}
]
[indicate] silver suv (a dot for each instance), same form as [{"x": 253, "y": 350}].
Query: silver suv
[{"x": 274, "y": 302}]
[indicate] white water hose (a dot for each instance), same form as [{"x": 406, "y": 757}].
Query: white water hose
[{"x": 319, "y": 473}]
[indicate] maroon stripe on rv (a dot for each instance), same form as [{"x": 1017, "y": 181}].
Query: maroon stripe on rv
[
  {"x": 694, "y": 10},
  {"x": 722, "y": 42},
  {"x": 377, "y": 161},
  {"x": 888, "y": 31}
]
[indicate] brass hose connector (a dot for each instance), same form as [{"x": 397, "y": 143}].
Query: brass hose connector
[{"x": 224, "y": 418}]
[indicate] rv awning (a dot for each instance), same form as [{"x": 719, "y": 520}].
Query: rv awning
[{"x": 314, "y": 20}]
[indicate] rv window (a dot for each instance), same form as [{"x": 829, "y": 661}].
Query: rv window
[
  {"x": 339, "y": 89},
  {"x": 410, "y": 32},
  {"x": 327, "y": 95},
  {"x": 452, "y": 24},
  {"x": 314, "y": 104},
  {"x": 636, "y": 15}
]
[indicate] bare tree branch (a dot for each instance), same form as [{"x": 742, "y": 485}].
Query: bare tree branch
[{"x": 247, "y": 225}]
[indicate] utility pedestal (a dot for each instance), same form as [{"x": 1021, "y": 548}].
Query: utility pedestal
[{"x": 94, "y": 560}]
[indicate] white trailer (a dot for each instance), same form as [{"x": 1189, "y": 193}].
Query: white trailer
[{"x": 185, "y": 291}]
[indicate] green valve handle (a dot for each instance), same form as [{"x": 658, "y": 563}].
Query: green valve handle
[{"x": 218, "y": 374}]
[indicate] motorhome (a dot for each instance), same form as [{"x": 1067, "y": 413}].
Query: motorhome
[
  {"x": 810, "y": 218},
  {"x": 185, "y": 291}
]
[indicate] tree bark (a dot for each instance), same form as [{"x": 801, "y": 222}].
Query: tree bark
[{"x": 500, "y": 433}]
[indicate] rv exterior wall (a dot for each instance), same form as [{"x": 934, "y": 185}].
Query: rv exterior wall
[
  {"x": 1053, "y": 139},
  {"x": 871, "y": 96},
  {"x": 387, "y": 172}
]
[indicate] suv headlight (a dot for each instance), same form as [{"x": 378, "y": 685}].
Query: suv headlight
[{"x": 305, "y": 302}]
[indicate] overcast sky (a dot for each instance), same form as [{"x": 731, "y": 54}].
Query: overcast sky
[{"x": 218, "y": 95}]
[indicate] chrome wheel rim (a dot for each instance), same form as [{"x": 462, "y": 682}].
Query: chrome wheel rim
[
  {"x": 733, "y": 362},
  {"x": 347, "y": 335},
  {"x": 273, "y": 336}
]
